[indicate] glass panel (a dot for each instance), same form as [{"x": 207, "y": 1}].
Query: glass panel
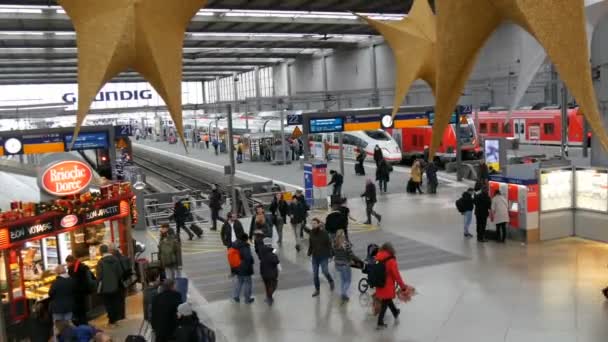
[
  {"x": 3, "y": 279},
  {"x": 592, "y": 189},
  {"x": 15, "y": 274},
  {"x": 556, "y": 190}
]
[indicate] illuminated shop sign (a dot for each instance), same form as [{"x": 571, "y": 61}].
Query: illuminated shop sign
[
  {"x": 26, "y": 232},
  {"x": 66, "y": 178},
  {"x": 109, "y": 96},
  {"x": 102, "y": 213}
]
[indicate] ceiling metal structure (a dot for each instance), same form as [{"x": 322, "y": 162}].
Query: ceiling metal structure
[{"x": 38, "y": 44}]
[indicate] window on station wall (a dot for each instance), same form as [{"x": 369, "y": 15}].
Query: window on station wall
[
  {"x": 494, "y": 127},
  {"x": 210, "y": 92},
  {"x": 483, "y": 128},
  {"x": 246, "y": 85},
  {"x": 549, "y": 128},
  {"x": 226, "y": 89},
  {"x": 266, "y": 82}
]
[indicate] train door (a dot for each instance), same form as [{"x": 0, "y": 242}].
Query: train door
[{"x": 519, "y": 129}]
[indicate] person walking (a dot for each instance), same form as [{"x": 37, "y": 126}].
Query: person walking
[
  {"x": 383, "y": 175},
  {"x": 359, "y": 167},
  {"x": 126, "y": 269},
  {"x": 500, "y": 216},
  {"x": 279, "y": 209},
  {"x": 269, "y": 269},
  {"x": 483, "y": 204},
  {"x": 431, "y": 177},
  {"x": 416, "y": 175},
  {"x": 215, "y": 205},
  {"x": 336, "y": 180},
  {"x": 378, "y": 156},
  {"x": 84, "y": 284},
  {"x": 483, "y": 176},
  {"x": 181, "y": 214},
  {"x": 169, "y": 252},
  {"x": 370, "y": 201},
  {"x": 465, "y": 206},
  {"x": 109, "y": 284},
  {"x": 261, "y": 221},
  {"x": 320, "y": 249},
  {"x": 61, "y": 295},
  {"x": 216, "y": 146},
  {"x": 343, "y": 257},
  {"x": 300, "y": 197},
  {"x": 231, "y": 230},
  {"x": 334, "y": 221},
  {"x": 345, "y": 211},
  {"x": 164, "y": 312},
  {"x": 387, "y": 293},
  {"x": 244, "y": 272},
  {"x": 297, "y": 217}
]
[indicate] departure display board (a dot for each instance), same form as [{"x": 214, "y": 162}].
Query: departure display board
[
  {"x": 329, "y": 125},
  {"x": 88, "y": 141},
  {"x": 43, "y": 143}
]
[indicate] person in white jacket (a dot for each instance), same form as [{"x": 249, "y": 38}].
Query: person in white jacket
[{"x": 500, "y": 215}]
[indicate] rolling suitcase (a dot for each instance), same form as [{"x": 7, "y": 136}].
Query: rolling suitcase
[
  {"x": 411, "y": 187},
  {"x": 491, "y": 235},
  {"x": 196, "y": 229},
  {"x": 181, "y": 286}
]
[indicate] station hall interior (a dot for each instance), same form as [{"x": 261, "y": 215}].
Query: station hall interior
[{"x": 461, "y": 146}]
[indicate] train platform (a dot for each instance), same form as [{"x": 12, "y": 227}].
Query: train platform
[
  {"x": 291, "y": 175},
  {"x": 467, "y": 291}
]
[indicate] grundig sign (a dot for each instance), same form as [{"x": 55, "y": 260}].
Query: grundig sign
[
  {"x": 66, "y": 178},
  {"x": 123, "y": 95}
]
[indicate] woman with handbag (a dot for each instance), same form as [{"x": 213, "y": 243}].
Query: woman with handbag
[{"x": 343, "y": 259}]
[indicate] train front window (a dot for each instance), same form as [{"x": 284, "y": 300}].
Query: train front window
[
  {"x": 466, "y": 134},
  {"x": 378, "y": 135}
]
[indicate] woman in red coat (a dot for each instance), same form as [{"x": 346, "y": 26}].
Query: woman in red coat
[{"x": 386, "y": 294}]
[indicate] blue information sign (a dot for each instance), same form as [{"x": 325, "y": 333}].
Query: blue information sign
[
  {"x": 88, "y": 141},
  {"x": 431, "y": 115},
  {"x": 308, "y": 184},
  {"x": 329, "y": 125}
]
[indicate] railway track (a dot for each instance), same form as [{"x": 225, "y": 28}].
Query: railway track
[{"x": 171, "y": 175}]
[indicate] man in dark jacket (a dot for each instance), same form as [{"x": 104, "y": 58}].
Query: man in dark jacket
[
  {"x": 297, "y": 217},
  {"x": 109, "y": 277},
  {"x": 334, "y": 221},
  {"x": 215, "y": 205},
  {"x": 61, "y": 295},
  {"x": 320, "y": 249},
  {"x": 431, "y": 177},
  {"x": 336, "y": 180},
  {"x": 244, "y": 271},
  {"x": 378, "y": 156},
  {"x": 188, "y": 325},
  {"x": 370, "y": 201},
  {"x": 483, "y": 204},
  {"x": 383, "y": 172},
  {"x": 126, "y": 268},
  {"x": 269, "y": 269},
  {"x": 231, "y": 230},
  {"x": 467, "y": 205},
  {"x": 84, "y": 284},
  {"x": 261, "y": 221},
  {"x": 279, "y": 209},
  {"x": 164, "y": 312},
  {"x": 181, "y": 213}
]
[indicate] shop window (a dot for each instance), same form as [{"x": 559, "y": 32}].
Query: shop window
[
  {"x": 494, "y": 127},
  {"x": 337, "y": 139},
  {"x": 3, "y": 279},
  {"x": 549, "y": 128},
  {"x": 483, "y": 128},
  {"x": 506, "y": 128}
]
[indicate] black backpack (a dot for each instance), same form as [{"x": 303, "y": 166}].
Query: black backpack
[
  {"x": 460, "y": 205},
  {"x": 376, "y": 273},
  {"x": 204, "y": 334}
]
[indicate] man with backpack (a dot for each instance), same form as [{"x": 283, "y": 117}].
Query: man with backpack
[
  {"x": 241, "y": 261},
  {"x": 168, "y": 252},
  {"x": 215, "y": 205},
  {"x": 483, "y": 204},
  {"x": 465, "y": 206},
  {"x": 181, "y": 213},
  {"x": 84, "y": 284},
  {"x": 383, "y": 275},
  {"x": 336, "y": 180}
]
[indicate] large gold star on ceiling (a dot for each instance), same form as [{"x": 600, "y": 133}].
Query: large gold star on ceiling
[
  {"x": 463, "y": 26},
  {"x": 412, "y": 40},
  {"x": 144, "y": 35}
]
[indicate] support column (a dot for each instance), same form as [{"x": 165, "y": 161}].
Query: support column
[
  {"x": 564, "y": 119},
  {"x": 217, "y": 89},
  {"x": 235, "y": 90},
  {"x": 324, "y": 78},
  {"x": 289, "y": 88},
  {"x": 232, "y": 162},
  {"x": 375, "y": 100},
  {"x": 204, "y": 93},
  {"x": 258, "y": 92}
]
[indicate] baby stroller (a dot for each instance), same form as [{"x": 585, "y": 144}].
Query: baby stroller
[{"x": 372, "y": 250}]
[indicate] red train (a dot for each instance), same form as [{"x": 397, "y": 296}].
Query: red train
[{"x": 533, "y": 126}]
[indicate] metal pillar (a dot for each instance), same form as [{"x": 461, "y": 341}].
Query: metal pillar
[
  {"x": 283, "y": 150},
  {"x": 258, "y": 91},
  {"x": 341, "y": 152},
  {"x": 217, "y": 89},
  {"x": 564, "y": 107},
  {"x": 235, "y": 90},
  {"x": 585, "y": 138},
  {"x": 374, "y": 70},
  {"x": 305, "y": 130},
  {"x": 458, "y": 149},
  {"x": 289, "y": 91},
  {"x": 204, "y": 93},
  {"x": 232, "y": 161}
]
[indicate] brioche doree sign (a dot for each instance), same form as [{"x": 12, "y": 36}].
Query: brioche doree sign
[{"x": 66, "y": 178}]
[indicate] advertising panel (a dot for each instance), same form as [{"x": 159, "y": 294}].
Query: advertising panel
[
  {"x": 592, "y": 189},
  {"x": 492, "y": 153},
  {"x": 556, "y": 189},
  {"x": 66, "y": 178}
]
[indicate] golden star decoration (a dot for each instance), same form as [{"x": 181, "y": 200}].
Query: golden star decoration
[
  {"x": 463, "y": 26},
  {"x": 412, "y": 40},
  {"x": 144, "y": 35}
]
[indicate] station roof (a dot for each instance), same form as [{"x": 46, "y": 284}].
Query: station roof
[{"x": 38, "y": 44}]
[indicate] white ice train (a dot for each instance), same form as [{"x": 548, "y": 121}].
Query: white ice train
[{"x": 352, "y": 141}]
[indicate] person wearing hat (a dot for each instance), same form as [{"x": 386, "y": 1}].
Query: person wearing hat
[
  {"x": 188, "y": 324},
  {"x": 269, "y": 269}
]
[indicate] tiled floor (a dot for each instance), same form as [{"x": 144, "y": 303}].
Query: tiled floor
[{"x": 513, "y": 292}]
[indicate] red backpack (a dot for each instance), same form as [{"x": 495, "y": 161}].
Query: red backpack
[{"x": 234, "y": 257}]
